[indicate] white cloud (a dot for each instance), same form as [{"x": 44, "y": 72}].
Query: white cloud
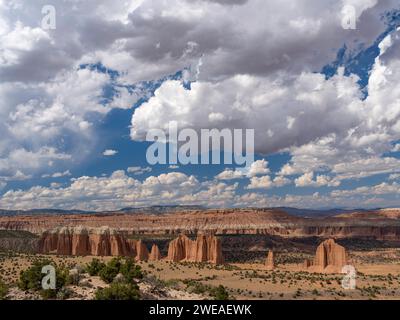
[
  {"x": 258, "y": 167},
  {"x": 139, "y": 170},
  {"x": 265, "y": 182},
  {"x": 109, "y": 153},
  {"x": 307, "y": 180},
  {"x": 66, "y": 173},
  {"x": 119, "y": 190}
]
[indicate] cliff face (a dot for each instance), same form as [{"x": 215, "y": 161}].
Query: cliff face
[
  {"x": 203, "y": 249},
  {"x": 220, "y": 222},
  {"x": 329, "y": 258},
  {"x": 81, "y": 241}
]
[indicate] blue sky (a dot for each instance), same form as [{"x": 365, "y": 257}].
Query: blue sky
[{"x": 78, "y": 101}]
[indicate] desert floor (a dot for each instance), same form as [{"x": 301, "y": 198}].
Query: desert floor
[{"x": 378, "y": 277}]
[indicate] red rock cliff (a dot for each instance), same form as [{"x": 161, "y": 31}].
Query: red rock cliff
[
  {"x": 81, "y": 241},
  {"x": 203, "y": 249}
]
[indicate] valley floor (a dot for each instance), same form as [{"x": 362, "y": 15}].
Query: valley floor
[{"x": 378, "y": 277}]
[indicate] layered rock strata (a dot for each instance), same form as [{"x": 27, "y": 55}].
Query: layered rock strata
[
  {"x": 82, "y": 241},
  {"x": 206, "y": 248}
]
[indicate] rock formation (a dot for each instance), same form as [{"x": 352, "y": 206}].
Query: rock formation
[
  {"x": 155, "y": 253},
  {"x": 270, "y": 262},
  {"x": 329, "y": 258},
  {"x": 82, "y": 241},
  {"x": 377, "y": 224},
  {"x": 203, "y": 249},
  {"x": 142, "y": 254}
]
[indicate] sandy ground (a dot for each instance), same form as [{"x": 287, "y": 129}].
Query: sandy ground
[{"x": 247, "y": 280}]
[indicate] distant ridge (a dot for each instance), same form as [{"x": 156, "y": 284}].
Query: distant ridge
[
  {"x": 314, "y": 213},
  {"x": 305, "y": 213},
  {"x": 133, "y": 210}
]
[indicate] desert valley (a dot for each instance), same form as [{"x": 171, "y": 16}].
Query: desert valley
[{"x": 197, "y": 253}]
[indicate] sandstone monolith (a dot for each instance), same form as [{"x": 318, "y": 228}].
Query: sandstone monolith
[
  {"x": 329, "y": 258},
  {"x": 155, "y": 253},
  {"x": 270, "y": 262}
]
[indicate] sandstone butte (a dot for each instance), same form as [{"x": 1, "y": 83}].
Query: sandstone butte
[
  {"x": 155, "y": 254},
  {"x": 329, "y": 258},
  {"x": 206, "y": 248},
  {"x": 270, "y": 262},
  {"x": 83, "y": 241}
]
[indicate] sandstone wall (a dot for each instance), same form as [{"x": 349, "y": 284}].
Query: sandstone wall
[
  {"x": 205, "y": 248},
  {"x": 82, "y": 241}
]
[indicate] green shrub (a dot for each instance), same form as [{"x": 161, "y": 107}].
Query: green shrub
[
  {"x": 94, "y": 267},
  {"x": 3, "y": 290},
  {"x": 31, "y": 279},
  {"x": 110, "y": 270},
  {"x": 130, "y": 270},
  {"x": 119, "y": 291},
  {"x": 220, "y": 293}
]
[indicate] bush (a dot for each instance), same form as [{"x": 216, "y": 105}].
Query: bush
[
  {"x": 119, "y": 291},
  {"x": 31, "y": 279},
  {"x": 110, "y": 271},
  {"x": 3, "y": 290},
  {"x": 94, "y": 267},
  {"x": 131, "y": 271},
  {"x": 128, "y": 269},
  {"x": 220, "y": 293}
]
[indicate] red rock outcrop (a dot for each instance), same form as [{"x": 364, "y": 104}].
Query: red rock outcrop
[
  {"x": 142, "y": 254},
  {"x": 270, "y": 261},
  {"x": 205, "y": 248},
  {"x": 81, "y": 241},
  {"x": 329, "y": 258},
  {"x": 155, "y": 253}
]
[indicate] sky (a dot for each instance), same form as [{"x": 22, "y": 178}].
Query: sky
[{"x": 77, "y": 101}]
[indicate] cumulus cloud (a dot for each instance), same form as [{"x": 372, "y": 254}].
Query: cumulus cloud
[
  {"x": 265, "y": 182},
  {"x": 50, "y": 104},
  {"x": 307, "y": 180},
  {"x": 119, "y": 190},
  {"x": 258, "y": 167}
]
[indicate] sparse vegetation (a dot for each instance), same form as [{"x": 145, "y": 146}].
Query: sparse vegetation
[
  {"x": 119, "y": 291},
  {"x": 3, "y": 290}
]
